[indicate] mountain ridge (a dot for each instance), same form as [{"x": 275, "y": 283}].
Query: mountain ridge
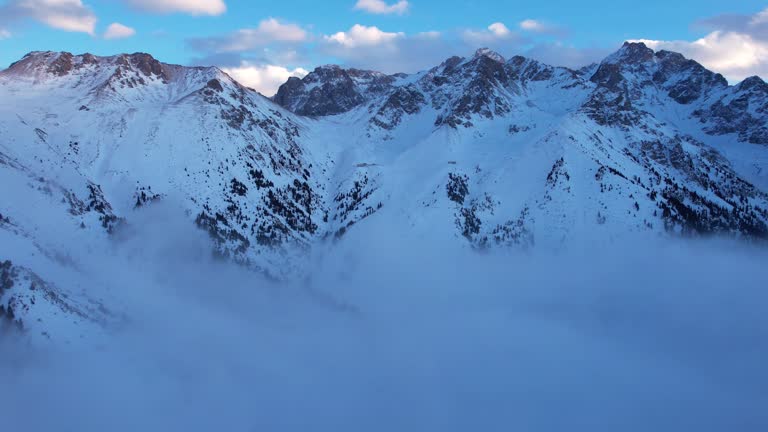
[
  {"x": 484, "y": 151},
  {"x": 638, "y": 48}
]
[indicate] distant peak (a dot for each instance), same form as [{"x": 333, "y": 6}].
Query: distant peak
[
  {"x": 520, "y": 61},
  {"x": 326, "y": 72},
  {"x": 140, "y": 56},
  {"x": 37, "y": 53},
  {"x": 336, "y": 69},
  {"x": 632, "y": 52},
  {"x": 57, "y": 63},
  {"x": 451, "y": 63},
  {"x": 489, "y": 53},
  {"x": 64, "y": 63},
  {"x": 635, "y": 45},
  {"x": 753, "y": 82},
  {"x": 145, "y": 63},
  {"x": 670, "y": 55},
  {"x": 327, "y": 67}
]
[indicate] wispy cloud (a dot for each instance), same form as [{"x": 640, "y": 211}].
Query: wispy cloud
[
  {"x": 264, "y": 78},
  {"x": 275, "y": 43},
  {"x": 191, "y": 7},
  {"x": 268, "y": 31},
  {"x": 67, "y": 15},
  {"x": 382, "y": 7},
  {"x": 118, "y": 31},
  {"x": 541, "y": 27}
]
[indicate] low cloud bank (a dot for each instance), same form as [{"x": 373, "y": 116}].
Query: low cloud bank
[{"x": 401, "y": 334}]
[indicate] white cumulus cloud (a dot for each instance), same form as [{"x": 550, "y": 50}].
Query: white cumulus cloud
[
  {"x": 382, "y": 7},
  {"x": 67, "y": 15},
  {"x": 191, "y": 7},
  {"x": 493, "y": 33},
  {"x": 265, "y": 79},
  {"x": 541, "y": 27},
  {"x": 272, "y": 29},
  {"x": 4, "y": 34},
  {"x": 360, "y": 35},
  {"x": 118, "y": 31},
  {"x": 737, "y": 46},
  {"x": 729, "y": 52},
  {"x": 499, "y": 29},
  {"x": 737, "y": 56}
]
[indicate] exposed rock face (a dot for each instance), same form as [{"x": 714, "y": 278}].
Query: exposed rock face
[
  {"x": 685, "y": 80},
  {"x": 619, "y": 82},
  {"x": 633, "y": 54},
  {"x": 628, "y": 80},
  {"x": 405, "y": 100},
  {"x": 524, "y": 69},
  {"x": 741, "y": 110},
  {"x": 480, "y": 87},
  {"x": 146, "y": 64},
  {"x": 478, "y": 82},
  {"x": 61, "y": 65},
  {"x": 330, "y": 90},
  {"x": 64, "y": 63},
  {"x": 459, "y": 90}
]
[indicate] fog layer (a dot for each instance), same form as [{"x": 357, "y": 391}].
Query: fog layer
[{"x": 407, "y": 334}]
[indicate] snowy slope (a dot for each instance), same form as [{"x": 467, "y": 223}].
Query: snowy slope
[
  {"x": 515, "y": 151},
  {"x": 486, "y": 151},
  {"x": 89, "y": 143}
]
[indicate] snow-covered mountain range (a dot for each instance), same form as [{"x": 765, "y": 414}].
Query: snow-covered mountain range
[{"x": 488, "y": 152}]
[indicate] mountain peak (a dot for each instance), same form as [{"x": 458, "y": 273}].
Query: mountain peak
[
  {"x": 327, "y": 68},
  {"x": 40, "y": 54},
  {"x": 632, "y": 52},
  {"x": 489, "y": 53},
  {"x": 42, "y": 62},
  {"x": 63, "y": 63},
  {"x": 520, "y": 62},
  {"x": 753, "y": 82},
  {"x": 632, "y": 44},
  {"x": 330, "y": 90},
  {"x": 670, "y": 56},
  {"x": 145, "y": 63}
]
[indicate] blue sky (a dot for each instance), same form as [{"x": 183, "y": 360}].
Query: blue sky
[{"x": 264, "y": 42}]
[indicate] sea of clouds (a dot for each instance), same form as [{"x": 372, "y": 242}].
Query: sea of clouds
[{"x": 398, "y": 333}]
